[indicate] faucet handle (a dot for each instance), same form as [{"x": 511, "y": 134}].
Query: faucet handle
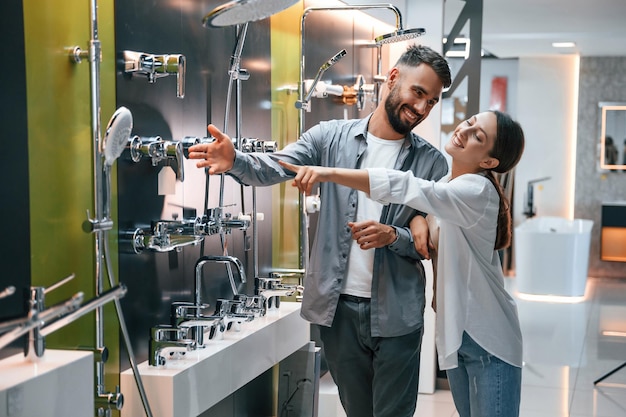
[
  {"x": 184, "y": 310},
  {"x": 177, "y": 63},
  {"x": 155, "y": 66},
  {"x": 175, "y": 149},
  {"x": 164, "y": 332}
]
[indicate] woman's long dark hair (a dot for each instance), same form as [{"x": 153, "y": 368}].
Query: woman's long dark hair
[{"x": 507, "y": 148}]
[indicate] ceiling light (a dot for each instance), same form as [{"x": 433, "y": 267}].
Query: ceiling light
[{"x": 563, "y": 44}]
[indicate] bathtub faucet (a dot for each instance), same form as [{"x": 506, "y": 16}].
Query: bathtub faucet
[{"x": 530, "y": 205}]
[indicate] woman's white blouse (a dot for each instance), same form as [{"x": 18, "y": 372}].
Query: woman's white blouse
[{"x": 470, "y": 287}]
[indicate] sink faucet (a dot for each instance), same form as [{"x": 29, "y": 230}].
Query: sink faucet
[
  {"x": 254, "y": 304},
  {"x": 233, "y": 313},
  {"x": 271, "y": 289},
  {"x": 188, "y": 318},
  {"x": 165, "y": 340},
  {"x": 228, "y": 260},
  {"x": 530, "y": 205},
  {"x": 53, "y": 318}
]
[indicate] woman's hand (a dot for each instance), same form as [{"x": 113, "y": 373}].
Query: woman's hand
[
  {"x": 307, "y": 176},
  {"x": 420, "y": 234},
  {"x": 218, "y": 156}
]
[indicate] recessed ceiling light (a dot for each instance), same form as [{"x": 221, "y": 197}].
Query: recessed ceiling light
[{"x": 563, "y": 44}]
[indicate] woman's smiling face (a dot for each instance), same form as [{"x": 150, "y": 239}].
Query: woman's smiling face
[{"x": 472, "y": 142}]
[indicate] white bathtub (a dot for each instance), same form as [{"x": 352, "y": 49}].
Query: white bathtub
[{"x": 552, "y": 256}]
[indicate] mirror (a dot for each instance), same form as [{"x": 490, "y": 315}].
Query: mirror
[{"x": 613, "y": 136}]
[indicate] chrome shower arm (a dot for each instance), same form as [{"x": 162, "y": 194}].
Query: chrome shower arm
[{"x": 356, "y": 7}]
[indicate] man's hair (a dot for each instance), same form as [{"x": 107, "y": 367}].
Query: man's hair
[{"x": 420, "y": 54}]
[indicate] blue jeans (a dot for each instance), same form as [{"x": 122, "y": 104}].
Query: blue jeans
[
  {"x": 376, "y": 376},
  {"x": 483, "y": 385}
]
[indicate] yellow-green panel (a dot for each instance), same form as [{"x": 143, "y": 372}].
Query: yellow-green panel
[
  {"x": 60, "y": 152},
  {"x": 285, "y": 59}
]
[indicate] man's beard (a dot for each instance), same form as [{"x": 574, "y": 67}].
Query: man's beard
[{"x": 393, "y": 107}]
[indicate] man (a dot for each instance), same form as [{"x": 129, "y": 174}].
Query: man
[{"x": 365, "y": 286}]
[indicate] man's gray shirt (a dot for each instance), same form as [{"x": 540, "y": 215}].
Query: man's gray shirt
[{"x": 398, "y": 281}]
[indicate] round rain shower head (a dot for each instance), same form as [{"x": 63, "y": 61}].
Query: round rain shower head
[
  {"x": 242, "y": 11},
  {"x": 399, "y": 36},
  {"x": 117, "y": 134}
]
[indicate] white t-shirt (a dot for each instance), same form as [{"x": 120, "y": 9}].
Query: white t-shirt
[
  {"x": 470, "y": 284},
  {"x": 383, "y": 154}
]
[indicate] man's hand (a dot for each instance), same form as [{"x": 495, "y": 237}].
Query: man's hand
[
  {"x": 371, "y": 234},
  {"x": 218, "y": 155}
]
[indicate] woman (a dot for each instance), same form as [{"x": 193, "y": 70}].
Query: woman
[{"x": 479, "y": 341}]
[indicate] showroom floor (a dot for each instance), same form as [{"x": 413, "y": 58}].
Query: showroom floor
[{"x": 567, "y": 346}]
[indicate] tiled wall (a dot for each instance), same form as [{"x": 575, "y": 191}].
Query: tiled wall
[{"x": 601, "y": 79}]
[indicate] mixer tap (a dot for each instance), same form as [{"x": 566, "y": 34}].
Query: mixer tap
[
  {"x": 233, "y": 313},
  {"x": 157, "y": 66},
  {"x": 166, "y": 340},
  {"x": 271, "y": 289},
  {"x": 188, "y": 318}
]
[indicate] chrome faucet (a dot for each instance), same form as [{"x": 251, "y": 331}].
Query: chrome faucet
[
  {"x": 188, "y": 318},
  {"x": 54, "y": 318},
  {"x": 168, "y": 235},
  {"x": 166, "y": 340},
  {"x": 254, "y": 304},
  {"x": 271, "y": 289},
  {"x": 157, "y": 66},
  {"x": 225, "y": 259},
  {"x": 529, "y": 210},
  {"x": 33, "y": 323},
  {"x": 157, "y": 149},
  {"x": 233, "y": 313}
]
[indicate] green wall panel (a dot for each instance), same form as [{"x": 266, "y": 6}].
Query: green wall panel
[{"x": 60, "y": 156}]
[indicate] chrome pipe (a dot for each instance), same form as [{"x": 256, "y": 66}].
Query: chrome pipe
[
  {"x": 36, "y": 319},
  {"x": 28, "y": 324},
  {"x": 304, "y": 232},
  {"x": 126, "y": 336},
  {"x": 91, "y": 305}
]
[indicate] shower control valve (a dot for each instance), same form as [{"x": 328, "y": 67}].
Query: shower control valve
[
  {"x": 157, "y": 150},
  {"x": 157, "y": 66},
  {"x": 249, "y": 145}
]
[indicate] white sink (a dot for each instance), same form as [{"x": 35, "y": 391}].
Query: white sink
[
  {"x": 60, "y": 383},
  {"x": 190, "y": 386}
]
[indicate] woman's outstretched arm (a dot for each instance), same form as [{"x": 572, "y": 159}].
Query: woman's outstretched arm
[{"x": 307, "y": 176}]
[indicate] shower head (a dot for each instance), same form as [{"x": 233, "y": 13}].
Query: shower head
[
  {"x": 236, "y": 12},
  {"x": 117, "y": 134},
  {"x": 332, "y": 61},
  {"x": 399, "y": 36}
]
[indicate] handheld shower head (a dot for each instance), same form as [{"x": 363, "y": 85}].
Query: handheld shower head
[
  {"x": 242, "y": 11},
  {"x": 332, "y": 61},
  {"x": 399, "y": 36},
  {"x": 117, "y": 134}
]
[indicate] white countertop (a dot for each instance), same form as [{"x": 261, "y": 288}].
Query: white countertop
[
  {"x": 60, "y": 383},
  {"x": 203, "y": 377}
]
